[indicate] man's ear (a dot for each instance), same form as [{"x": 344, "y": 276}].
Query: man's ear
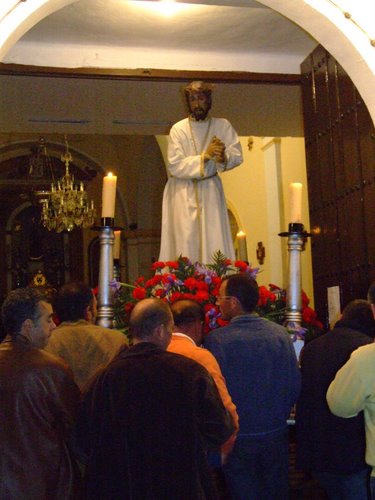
[
  {"x": 26, "y": 326},
  {"x": 88, "y": 313}
]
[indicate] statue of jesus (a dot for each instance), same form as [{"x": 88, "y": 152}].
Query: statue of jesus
[{"x": 195, "y": 220}]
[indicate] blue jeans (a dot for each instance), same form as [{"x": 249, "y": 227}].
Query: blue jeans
[
  {"x": 345, "y": 487},
  {"x": 257, "y": 468}
]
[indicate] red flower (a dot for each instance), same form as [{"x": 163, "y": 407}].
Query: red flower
[
  {"x": 305, "y": 300},
  {"x": 274, "y": 287},
  {"x": 139, "y": 293},
  {"x": 175, "y": 296},
  {"x": 202, "y": 296},
  {"x": 140, "y": 280},
  {"x": 265, "y": 296},
  {"x": 190, "y": 283},
  {"x": 242, "y": 266},
  {"x": 167, "y": 278},
  {"x": 222, "y": 322},
  {"x": 208, "y": 307},
  {"x": 309, "y": 315},
  {"x": 160, "y": 293},
  {"x": 129, "y": 307},
  {"x": 172, "y": 264},
  {"x": 202, "y": 285},
  {"x": 158, "y": 265}
]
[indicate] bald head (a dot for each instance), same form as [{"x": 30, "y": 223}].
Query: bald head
[
  {"x": 151, "y": 321},
  {"x": 188, "y": 317}
]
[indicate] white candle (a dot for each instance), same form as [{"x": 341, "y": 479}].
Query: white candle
[
  {"x": 109, "y": 196},
  {"x": 242, "y": 246},
  {"x": 117, "y": 246},
  {"x": 295, "y": 202}
]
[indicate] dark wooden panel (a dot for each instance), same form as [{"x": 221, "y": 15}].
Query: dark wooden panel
[{"x": 340, "y": 156}]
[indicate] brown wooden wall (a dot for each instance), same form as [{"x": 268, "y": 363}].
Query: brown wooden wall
[{"x": 340, "y": 151}]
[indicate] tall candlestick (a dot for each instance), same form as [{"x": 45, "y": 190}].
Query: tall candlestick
[
  {"x": 116, "y": 248},
  {"x": 109, "y": 196},
  {"x": 242, "y": 246},
  {"x": 295, "y": 202}
]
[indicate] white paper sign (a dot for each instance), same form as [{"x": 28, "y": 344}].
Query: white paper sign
[{"x": 334, "y": 309}]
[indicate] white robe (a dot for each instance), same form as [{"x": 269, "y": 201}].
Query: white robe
[{"x": 195, "y": 221}]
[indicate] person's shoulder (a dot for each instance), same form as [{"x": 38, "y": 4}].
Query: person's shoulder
[
  {"x": 180, "y": 124},
  {"x": 220, "y": 122},
  {"x": 49, "y": 365},
  {"x": 219, "y": 333},
  {"x": 110, "y": 332},
  {"x": 52, "y": 360},
  {"x": 184, "y": 363},
  {"x": 365, "y": 353}
]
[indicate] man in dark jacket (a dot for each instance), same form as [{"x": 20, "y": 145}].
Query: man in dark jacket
[
  {"x": 38, "y": 403},
  {"x": 147, "y": 419},
  {"x": 330, "y": 447}
]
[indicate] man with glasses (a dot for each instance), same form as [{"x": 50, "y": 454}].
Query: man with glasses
[{"x": 258, "y": 361}]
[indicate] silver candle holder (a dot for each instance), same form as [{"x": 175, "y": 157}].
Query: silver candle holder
[
  {"x": 105, "y": 294},
  {"x": 297, "y": 237}
]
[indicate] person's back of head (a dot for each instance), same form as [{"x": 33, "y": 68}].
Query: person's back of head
[
  {"x": 244, "y": 289},
  {"x": 20, "y": 305},
  {"x": 73, "y": 300},
  {"x": 358, "y": 315},
  {"x": 151, "y": 321},
  {"x": 188, "y": 317}
]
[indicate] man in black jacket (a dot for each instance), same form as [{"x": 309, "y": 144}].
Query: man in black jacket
[
  {"x": 148, "y": 417},
  {"x": 330, "y": 447}
]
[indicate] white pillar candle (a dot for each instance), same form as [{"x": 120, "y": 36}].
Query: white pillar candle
[
  {"x": 117, "y": 246},
  {"x": 242, "y": 246},
  {"x": 295, "y": 202},
  {"x": 109, "y": 196}
]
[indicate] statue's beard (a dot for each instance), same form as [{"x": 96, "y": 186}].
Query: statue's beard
[{"x": 200, "y": 113}]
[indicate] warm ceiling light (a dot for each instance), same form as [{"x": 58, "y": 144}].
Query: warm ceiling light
[{"x": 166, "y": 8}]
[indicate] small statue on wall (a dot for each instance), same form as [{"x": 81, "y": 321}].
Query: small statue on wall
[{"x": 261, "y": 252}]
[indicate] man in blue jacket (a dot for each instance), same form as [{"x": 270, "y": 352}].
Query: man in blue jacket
[{"x": 258, "y": 361}]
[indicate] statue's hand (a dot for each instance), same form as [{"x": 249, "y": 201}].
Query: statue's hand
[
  {"x": 216, "y": 149},
  {"x": 220, "y": 150}
]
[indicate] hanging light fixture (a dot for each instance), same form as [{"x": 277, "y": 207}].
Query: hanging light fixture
[{"x": 67, "y": 205}]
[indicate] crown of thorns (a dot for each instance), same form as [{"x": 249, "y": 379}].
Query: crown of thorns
[{"x": 199, "y": 86}]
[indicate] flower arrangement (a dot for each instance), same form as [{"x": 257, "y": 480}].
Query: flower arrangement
[{"x": 182, "y": 279}]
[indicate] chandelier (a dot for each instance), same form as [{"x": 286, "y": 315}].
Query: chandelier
[{"x": 66, "y": 205}]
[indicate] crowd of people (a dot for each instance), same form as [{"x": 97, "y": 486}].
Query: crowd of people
[{"x": 83, "y": 415}]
